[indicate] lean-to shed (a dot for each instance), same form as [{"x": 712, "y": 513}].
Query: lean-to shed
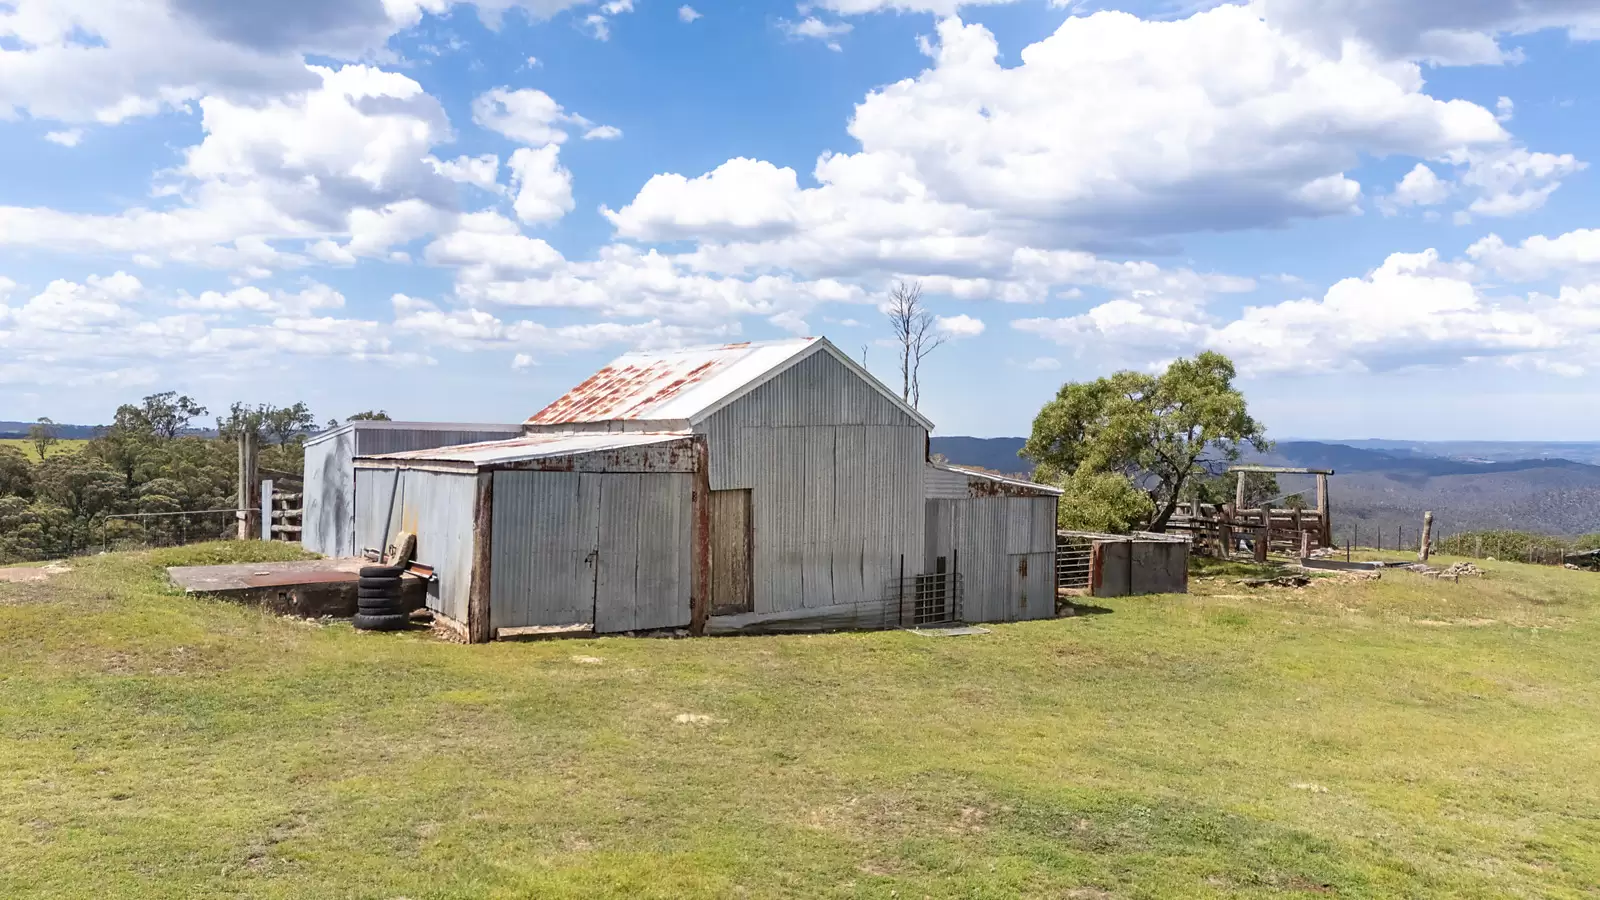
[
  {"x": 815, "y": 471},
  {"x": 329, "y": 518},
  {"x": 600, "y": 530},
  {"x": 997, "y": 537}
]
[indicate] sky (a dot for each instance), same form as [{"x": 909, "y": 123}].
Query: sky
[{"x": 1384, "y": 213}]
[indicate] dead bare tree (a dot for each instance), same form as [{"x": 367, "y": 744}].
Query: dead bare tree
[{"x": 916, "y": 331}]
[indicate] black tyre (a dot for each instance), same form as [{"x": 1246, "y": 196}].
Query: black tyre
[
  {"x": 393, "y": 591},
  {"x": 381, "y": 571},
  {"x": 380, "y": 623},
  {"x": 379, "y": 584},
  {"x": 386, "y": 609}
]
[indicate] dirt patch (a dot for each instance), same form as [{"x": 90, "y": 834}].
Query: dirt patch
[{"x": 27, "y": 574}]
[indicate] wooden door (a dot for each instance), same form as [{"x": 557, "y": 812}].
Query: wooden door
[{"x": 731, "y": 584}]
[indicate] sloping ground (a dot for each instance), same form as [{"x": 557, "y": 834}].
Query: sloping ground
[{"x": 1396, "y": 738}]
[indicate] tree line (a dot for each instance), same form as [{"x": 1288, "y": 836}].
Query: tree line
[{"x": 151, "y": 459}]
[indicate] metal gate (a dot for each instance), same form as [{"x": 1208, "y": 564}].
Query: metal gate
[{"x": 1074, "y": 561}]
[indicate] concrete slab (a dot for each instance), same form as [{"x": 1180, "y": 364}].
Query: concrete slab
[{"x": 310, "y": 588}]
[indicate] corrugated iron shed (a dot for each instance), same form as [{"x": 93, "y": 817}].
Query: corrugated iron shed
[{"x": 686, "y": 386}]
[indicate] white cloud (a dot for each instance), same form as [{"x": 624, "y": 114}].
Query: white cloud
[
  {"x": 1416, "y": 309},
  {"x": 937, "y": 7},
  {"x": 1539, "y": 256},
  {"x": 347, "y": 156},
  {"x": 1450, "y": 32},
  {"x": 543, "y": 186},
  {"x": 603, "y": 133},
  {"x": 1515, "y": 181},
  {"x": 522, "y": 361},
  {"x": 1504, "y": 109},
  {"x": 1043, "y": 364},
  {"x": 1419, "y": 187},
  {"x": 110, "y": 60},
  {"x": 253, "y": 299},
  {"x": 812, "y": 27},
  {"x": 490, "y": 247},
  {"x": 687, "y": 14},
  {"x": 959, "y": 326},
  {"x": 480, "y": 171},
  {"x": 527, "y": 116},
  {"x": 1112, "y": 129},
  {"x": 71, "y": 137}
]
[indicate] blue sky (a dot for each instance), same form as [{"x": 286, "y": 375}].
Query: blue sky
[{"x": 455, "y": 211}]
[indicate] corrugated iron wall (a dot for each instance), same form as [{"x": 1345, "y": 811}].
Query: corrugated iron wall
[
  {"x": 614, "y": 550},
  {"x": 1004, "y": 548},
  {"x": 373, "y": 441},
  {"x": 438, "y": 508},
  {"x": 329, "y": 516},
  {"x": 945, "y": 484},
  {"x": 330, "y": 479},
  {"x": 835, "y": 472}
]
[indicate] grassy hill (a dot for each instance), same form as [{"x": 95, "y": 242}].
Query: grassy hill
[
  {"x": 62, "y": 445},
  {"x": 1398, "y": 738}
]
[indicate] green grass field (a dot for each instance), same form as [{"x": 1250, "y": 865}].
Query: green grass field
[
  {"x": 1400, "y": 738},
  {"x": 26, "y": 446}
]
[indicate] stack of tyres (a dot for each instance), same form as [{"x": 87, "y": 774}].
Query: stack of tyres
[{"x": 378, "y": 600}]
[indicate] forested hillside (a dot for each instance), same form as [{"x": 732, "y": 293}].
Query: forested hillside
[
  {"x": 1382, "y": 491},
  {"x": 55, "y": 504}
]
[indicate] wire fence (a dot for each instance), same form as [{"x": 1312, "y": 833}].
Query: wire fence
[
  {"x": 1508, "y": 546},
  {"x": 133, "y": 531}
]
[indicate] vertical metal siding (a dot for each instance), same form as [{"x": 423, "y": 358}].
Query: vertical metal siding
[
  {"x": 541, "y": 570},
  {"x": 329, "y": 516},
  {"x": 613, "y": 549},
  {"x": 439, "y": 509},
  {"x": 835, "y": 472},
  {"x": 985, "y": 539},
  {"x": 373, "y": 441}
]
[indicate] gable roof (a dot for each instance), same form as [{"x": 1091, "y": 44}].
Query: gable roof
[
  {"x": 1002, "y": 485},
  {"x": 691, "y": 384}
]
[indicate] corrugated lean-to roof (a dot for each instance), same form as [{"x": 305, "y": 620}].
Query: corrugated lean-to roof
[{"x": 527, "y": 448}]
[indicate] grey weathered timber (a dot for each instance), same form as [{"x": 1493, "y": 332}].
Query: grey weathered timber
[{"x": 730, "y": 552}]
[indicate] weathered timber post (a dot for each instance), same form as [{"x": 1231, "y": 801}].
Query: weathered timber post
[
  {"x": 247, "y": 480},
  {"x": 1238, "y": 493},
  {"x": 266, "y": 509},
  {"x": 1305, "y": 545},
  {"x": 1427, "y": 535},
  {"x": 1322, "y": 510}
]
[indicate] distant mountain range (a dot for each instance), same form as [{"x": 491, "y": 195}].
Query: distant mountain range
[
  {"x": 70, "y": 432},
  {"x": 1383, "y": 486}
]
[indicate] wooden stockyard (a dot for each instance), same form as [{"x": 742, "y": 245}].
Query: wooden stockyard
[{"x": 1292, "y": 531}]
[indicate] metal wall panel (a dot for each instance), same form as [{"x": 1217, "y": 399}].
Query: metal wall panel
[
  {"x": 835, "y": 471},
  {"x": 330, "y": 480},
  {"x": 541, "y": 557},
  {"x": 373, "y": 441},
  {"x": 437, "y": 507},
  {"x": 614, "y": 550},
  {"x": 945, "y": 484},
  {"x": 329, "y": 517},
  {"x": 1004, "y": 548}
]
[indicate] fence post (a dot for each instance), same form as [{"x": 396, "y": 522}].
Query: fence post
[
  {"x": 266, "y": 509},
  {"x": 1427, "y": 535}
]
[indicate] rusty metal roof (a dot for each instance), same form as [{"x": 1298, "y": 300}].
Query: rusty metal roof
[
  {"x": 682, "y": 387},
  {"x": 670, "y": 384},
  {"x": 528, "y": 447}
]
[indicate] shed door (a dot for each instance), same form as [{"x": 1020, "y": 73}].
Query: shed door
[
  {"x": 730, "y": 552},
  {"x": 643, "y": 552},
  {"x": 543, "y": 566}
]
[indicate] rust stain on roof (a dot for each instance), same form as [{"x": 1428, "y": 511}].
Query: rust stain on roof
[{"x": 627, "y": 391}]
